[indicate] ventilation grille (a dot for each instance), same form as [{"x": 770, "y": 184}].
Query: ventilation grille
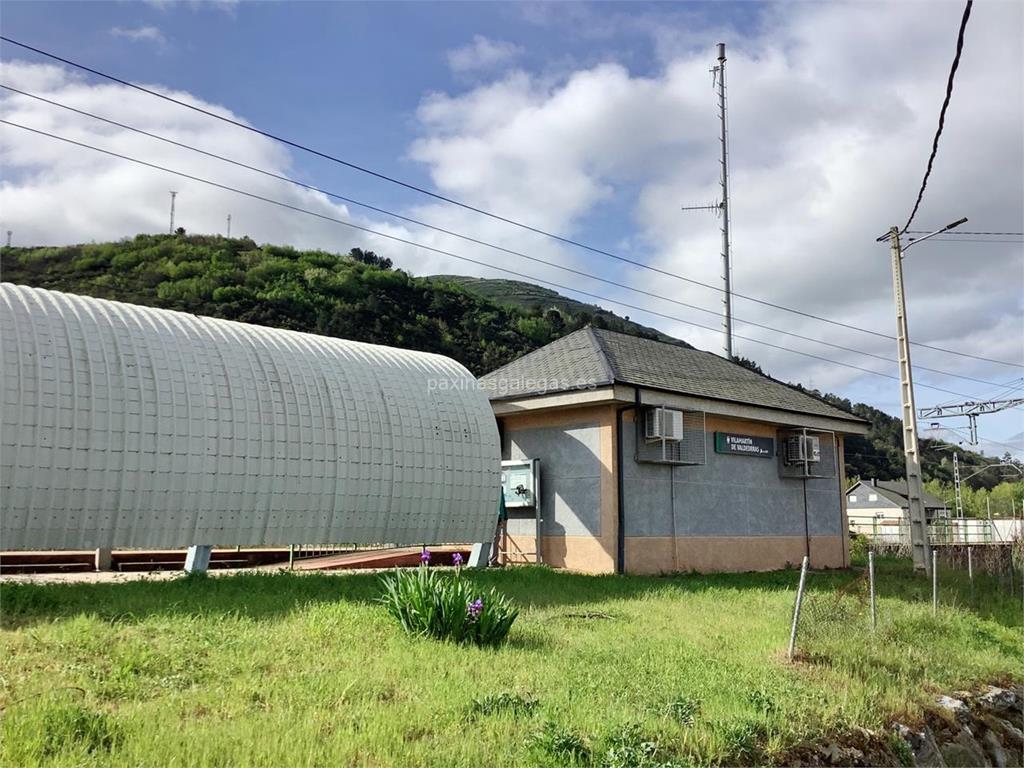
[{"x": 671, "y": 436}]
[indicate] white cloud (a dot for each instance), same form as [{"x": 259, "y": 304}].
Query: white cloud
[
  {"x": 58, "y": 193},
  {"x": 140, "y": 34},
  {"x": 482, "y": 54}
]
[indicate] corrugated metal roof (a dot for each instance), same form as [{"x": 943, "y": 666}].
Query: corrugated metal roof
[
  {"x": 600, "y": 357},
  {"x": 128, "y": 426}
]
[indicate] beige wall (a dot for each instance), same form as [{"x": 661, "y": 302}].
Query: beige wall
[
  {"x": 707, "y": 554},
  {"x": 590, "y": 554}
]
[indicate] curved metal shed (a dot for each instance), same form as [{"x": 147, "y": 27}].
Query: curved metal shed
[{"x": 128, "y": 426}]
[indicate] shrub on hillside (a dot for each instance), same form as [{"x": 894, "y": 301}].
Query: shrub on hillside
[{"x": 445, "y": 606}]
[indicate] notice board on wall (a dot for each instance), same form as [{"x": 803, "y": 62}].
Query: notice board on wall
[{"x": 744, "y": 445}]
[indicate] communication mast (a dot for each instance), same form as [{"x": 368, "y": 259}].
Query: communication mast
[
  {"x": 722, "y": 207},
  {"x": 173, "y": 195}
]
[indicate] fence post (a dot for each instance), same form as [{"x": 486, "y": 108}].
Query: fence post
[
  {"x": 871, "y": 584},
  {"x": 291, "y": 557},
  {"x": 796, "y": 608},
  {"x": 935, "y": 582}
]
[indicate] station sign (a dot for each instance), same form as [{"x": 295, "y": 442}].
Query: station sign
[{"x": 744, "y": 445}]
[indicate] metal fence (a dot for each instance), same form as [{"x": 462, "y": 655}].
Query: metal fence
[{"x": 967, "y": 530}]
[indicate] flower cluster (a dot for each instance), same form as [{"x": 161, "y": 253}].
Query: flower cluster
[
  {"x": 434, "y": 602},
  {"x": 457, "y": 559}
]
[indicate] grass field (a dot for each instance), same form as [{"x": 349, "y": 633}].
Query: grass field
[{"x": 308, "y": 670}]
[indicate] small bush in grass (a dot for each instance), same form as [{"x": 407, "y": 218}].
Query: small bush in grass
[
  {"x": 445, "y": 606},
  {"x": 560, "y": 744},
  {"x": 630, "y": 747}
]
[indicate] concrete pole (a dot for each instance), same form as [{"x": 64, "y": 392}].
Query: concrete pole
[
  {"x": 173, "y": 195},
  {"x": 104, "y": 559},
  {"x": 197, "y": 560},
  {"x": 871, "y": 586},
  {"x": 935, "y": 582},
  {"x": 796, "y": 608},
  {"x": 915, "y": 487}
]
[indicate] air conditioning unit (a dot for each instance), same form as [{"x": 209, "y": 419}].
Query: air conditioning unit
[
  {"x": 663, "y": 424},
  {"x": 802, "y": 448}
]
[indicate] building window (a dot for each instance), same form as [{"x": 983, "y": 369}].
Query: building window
[
  {"x": 853, "y": 498},
  {"x": 872, "y": 497}
]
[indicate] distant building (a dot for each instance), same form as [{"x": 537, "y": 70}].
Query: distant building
[
  {"x": 879, "y": 508},
  {"x": 655, "y": 458}
]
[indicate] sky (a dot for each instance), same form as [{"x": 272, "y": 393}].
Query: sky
[{"x": 594, "y": 122}]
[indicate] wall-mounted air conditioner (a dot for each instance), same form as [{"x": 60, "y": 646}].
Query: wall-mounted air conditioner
[
  {"x": 800, "y": 449},
  {"x": 663, "y": 424}
]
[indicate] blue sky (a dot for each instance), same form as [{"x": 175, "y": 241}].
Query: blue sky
[{"x": 594, "y": 121}]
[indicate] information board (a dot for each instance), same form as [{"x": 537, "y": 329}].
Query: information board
[{"x": 744, "y": 445}]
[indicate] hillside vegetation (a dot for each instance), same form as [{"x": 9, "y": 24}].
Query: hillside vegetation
[
  {"x": 530, "y": 297},
  {"x": 481, "y": 323}
]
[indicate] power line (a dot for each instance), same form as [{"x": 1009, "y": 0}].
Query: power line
[
  {"x": 472, "y": 239},
  {"x": 481, "y": 211},
  {"x": 942, "y": 112},
  {"x": 967, "y": 240},
  {"x": 961, "y": 232},
  {"x": 443, "y": 252}
]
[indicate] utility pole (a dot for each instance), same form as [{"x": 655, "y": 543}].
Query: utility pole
[
  {"x": 915, "y": 486},
  {"x": 722, "y": 207},
  {"x": 229, "y": 225},
  {"x": 173, "y": 195},
  {"x": 956, "y": 485},
  {"x": 9, "y": 233}
]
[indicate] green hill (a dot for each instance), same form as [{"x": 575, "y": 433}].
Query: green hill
[
  {"x": 481, "y": 323},
  {"x": 532, "y": 298}
]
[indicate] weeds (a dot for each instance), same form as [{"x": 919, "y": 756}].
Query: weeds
[
  {"x": 560, "y": 744},
  {"x": 56, "y": 729},
  {"x": 503, "y": 703},
  {"x": 684, "y": 710}
]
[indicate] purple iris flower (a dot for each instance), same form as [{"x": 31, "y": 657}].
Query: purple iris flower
[
  {"x": 457, "y": 559},
  {"x": 475, "y": 608},
  {"x": 425, "y": 556}
]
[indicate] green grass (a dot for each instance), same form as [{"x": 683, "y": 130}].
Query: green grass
[{"x": 607, "y": 671}]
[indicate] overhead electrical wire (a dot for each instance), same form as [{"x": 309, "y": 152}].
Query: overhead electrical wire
[
  {"x": 472, "y": 239},
  {"x": 443, "y": 252},
  {"x": 967, "y": 240},
  {"x": 962, "y": 232},
  {"x": 942, "y": 113},
  {"x": 475, "y": 209}
]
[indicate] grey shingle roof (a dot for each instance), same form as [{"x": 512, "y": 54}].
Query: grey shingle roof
[
  {"x": 594, "y": 357},
  {"x": 896, "y": 492}
]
